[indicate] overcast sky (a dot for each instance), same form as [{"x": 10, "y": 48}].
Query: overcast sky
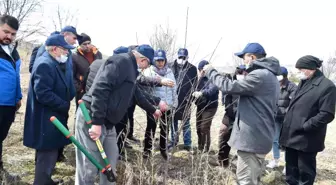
[{"x": 286, "y": 29}]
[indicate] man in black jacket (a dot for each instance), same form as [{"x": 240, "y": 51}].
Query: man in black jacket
[{"x": 305, "y": 125}]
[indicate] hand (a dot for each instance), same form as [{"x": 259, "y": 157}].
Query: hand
[
  {"x": 18, "y": 105},
  {"x": 163, "y": 106},
  {"x": 197, "y": 94},
  {"x": 167, "y": 82},
  {"x": 95, "y": 132},
  {"x": 223, "y": 128},
  {"x": 157, "y": 114}
]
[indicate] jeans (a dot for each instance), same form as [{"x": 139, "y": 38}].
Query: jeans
[
  {"x": 186, "y": 133},
  {"x": 276, "y": 146}
]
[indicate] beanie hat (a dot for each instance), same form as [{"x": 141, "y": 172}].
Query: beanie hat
[
  {"x": 308, "y": 62},
  {"x": 84, "y": 37}
]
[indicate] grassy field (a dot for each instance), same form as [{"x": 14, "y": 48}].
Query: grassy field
[{"x": 181, "y": 168}]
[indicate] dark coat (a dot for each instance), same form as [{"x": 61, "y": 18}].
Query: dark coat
[
  {"x": 308, "y": 114},
  {"x": 287, "y": 91},
  {"x": 186, "y": 81},
  {"x": 50, "y": 92},
  {"x": 209, "y": 97}
]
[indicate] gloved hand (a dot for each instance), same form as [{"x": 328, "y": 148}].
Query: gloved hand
[
  {"x": 167, "y": 82},
  {"x": 197, "y": 94}
]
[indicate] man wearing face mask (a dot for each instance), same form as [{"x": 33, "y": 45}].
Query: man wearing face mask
[
  {"x": 82, "y": 58},
  {"x": 50, "y": 93},
  {"x": 186, "y": 80},
  {"x": 305, "y": 124},
  {"x": 287, "y": 90},
  {"x": 107, "y": 101},
  {"x": 253, "y": 130}
]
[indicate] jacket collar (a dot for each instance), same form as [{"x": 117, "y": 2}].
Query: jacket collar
[{"x": 94, "y": 50}]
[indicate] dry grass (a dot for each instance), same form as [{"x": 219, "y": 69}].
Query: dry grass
[{"x": 182, "y": 167}]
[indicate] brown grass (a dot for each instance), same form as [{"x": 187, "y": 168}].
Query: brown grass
[{"x": 182, "y": 167}]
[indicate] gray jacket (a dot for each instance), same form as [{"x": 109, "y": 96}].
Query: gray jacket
[{"x": 254, "y": 127}]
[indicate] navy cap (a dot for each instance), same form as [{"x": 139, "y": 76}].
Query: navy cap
[
  {"x": 120, "y": 49},
  {"x": 58, "y": 40},
  {"x": 72, "y": 30},
  {"x": 55, "y": 32},
  {"x": 182, "y": 52},
  {"x": 147, "y": 51},
  {"x": 283, "y": 71},
  {"x": 160, "y": 55},
  {"x": 254, "y": 48},
  {"x": 202, "y": 64}
]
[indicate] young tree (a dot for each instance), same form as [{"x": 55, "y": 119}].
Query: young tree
[{"x": 64, "y": 17}]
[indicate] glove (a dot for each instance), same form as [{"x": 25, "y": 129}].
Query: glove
[{"x": 197, "y": 94}]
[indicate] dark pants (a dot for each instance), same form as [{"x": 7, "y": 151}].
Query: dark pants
[
  {"x": 45, "y": 165},
  {"x": 121, "y": 129},
  {"x": 203, "y": 125},
  {"x": 130, "y": 113},
  {"x": 224, "y": 136},
  {"x": 78, "y": 96},
  {"x": 7, "y": 116},
  {"x": 150, "y": 131},
  {"x": 300, "y": 167}
]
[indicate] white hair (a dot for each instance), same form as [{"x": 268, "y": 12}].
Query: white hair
[
  {"x": 137, "y": 54},
  {"x": 49, "y": 48}
]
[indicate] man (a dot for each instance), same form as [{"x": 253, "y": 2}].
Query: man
[
  {"x": 253, "y": 131},
  {"x": 107, "y": 100},
  {"x": 305, "y": 125},
  {"x": 70, "y": 35},
  {"x": 50, "y": 93},
  {"x": 287, "y": 90},
  {"x": 231, "y": 103},
  {"x": 10, "y": 91},
  {"x": 186, "y": 79},
  {"x": 207, "y": 102},
  {"x": 35, "y": 51},
  {"x": 82, "y": 58}
]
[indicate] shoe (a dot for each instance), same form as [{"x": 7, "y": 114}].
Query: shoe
[
  {"x": 224, "y": 163},
  {"x": 61, "y": 158},
  {"x": 188, "y": 148},
  {"x": 273, "y": 164},
  {"x": 284, "y": 171},
  {"x": 164, "y": 154},
  {"x": 127, "y": 145},
  {"x": 132, "y": 138}
]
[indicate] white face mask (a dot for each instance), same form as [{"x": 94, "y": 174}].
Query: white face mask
[
  {"x": 181, "y": 61},
  {"x": 62, "y": 59},
  {"x": 240, "y": 77},
  {"x": 280, "y": 78},
  {"x": 302, "y": 76}
]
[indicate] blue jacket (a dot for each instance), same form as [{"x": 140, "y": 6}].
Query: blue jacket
[
  {"x": 49, "y": 94},
  {"x": 210, "y": 92},
  {"x": 10, "y": 91}
]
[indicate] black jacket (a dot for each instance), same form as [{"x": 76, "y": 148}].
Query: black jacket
[
  {"x": 33, "y": 57},
  {"x": 139, "y": 97},
  {"x": 308, "y": 114},
  {"x": 186, "y": 81},
  {"x": 287, "y": 91},
  {"x": 210, "y": 92}
]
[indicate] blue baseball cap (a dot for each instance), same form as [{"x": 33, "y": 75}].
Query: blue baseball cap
[
  {"x": 254, "y": 48},
  {"x": 58, "y": 40},
  {"x": 160, "y": 55},
  {"x": 55, "y": 32},
  {"x": 72, "y": 30},
  {"x": 147, "y": 51},
  {"x": 120, "y": 49},
  {"x": 283, "y": 70},
  {"x": 182, "y": 52},
  {"x": 202, "y": 64}
]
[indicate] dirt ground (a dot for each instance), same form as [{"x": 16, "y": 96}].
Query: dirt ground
[{"x": 182, "y": 167}]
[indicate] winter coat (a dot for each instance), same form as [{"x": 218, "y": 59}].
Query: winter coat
[
  {"x": 167, "y": 94},
  {"x": 33, "y": 57},
  {"x": 209, "y": 98},
  {"x": 254, "y": 127},
  {"x": 81, "y": 66},
  {"x": 310, "y": 110},
  {"x": 186, "y": 81},
  {"x": 10, "y": 91},
  {"x": 50, "y": 92},
  {"x": 287, "y": 91}
]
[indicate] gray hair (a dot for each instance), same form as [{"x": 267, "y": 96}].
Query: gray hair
[{"x": 49, "y": 48}]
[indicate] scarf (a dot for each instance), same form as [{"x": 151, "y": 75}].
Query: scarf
[{"x": 161, "y": 72}]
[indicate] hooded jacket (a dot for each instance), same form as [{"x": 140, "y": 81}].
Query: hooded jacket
[{"x": 254, "y": 127}]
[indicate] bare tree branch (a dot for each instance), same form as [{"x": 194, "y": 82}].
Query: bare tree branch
[{"x": 64, "y": 17}]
